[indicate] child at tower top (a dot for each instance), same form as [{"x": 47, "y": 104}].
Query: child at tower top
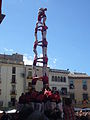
[{"x": 41, "y": 14}]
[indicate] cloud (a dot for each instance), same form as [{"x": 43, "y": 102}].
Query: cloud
[
  {"x": 55, "y": 60},
  {"x": 52, "y": 62},
  {"x": 27, "y": 60},
  {"x": 8, "y": 50}
]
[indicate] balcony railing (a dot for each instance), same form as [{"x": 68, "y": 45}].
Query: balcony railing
[
  {"x": 13, "y": 92},
  {"x": 13, "y": 82},
  {"x": 65, "y": 93},
  {"x": 29, "y": 77}
]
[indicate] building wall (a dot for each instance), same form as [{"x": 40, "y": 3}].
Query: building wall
[
  {"x": 78, "y": 90},
  {"x": 6, "y": 85},
  {"x": 24, "y": 77},
  {"x": 29, "y": 75},
  {"x": 61, "y": 84}
]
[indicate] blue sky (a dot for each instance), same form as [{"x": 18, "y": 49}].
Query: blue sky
[{"x": 68, "y": 34}]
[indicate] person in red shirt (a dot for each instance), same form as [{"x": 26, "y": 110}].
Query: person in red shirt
[
  {"x": 22, "y": 99},
  {"x": 34, "y": 48},
  {"x": 45, "y": 80},
  {"x": 57, "y": 97},
  {"x": 35, "y": 61},
  {"x": 44, "y": 32},
  {"x": 44, "y": 43},
  {"x": 34, "y": 80},
  {"x": 45, "y": 59},
  {"x": 68, "y": 110},
  {"x": 0, "y": 6},
  {"x": 27, "y": 96},
  {"x": 41, "y": 14},
  {"x": 39, "y": 99},
  {"x": 34, "y": 95}
]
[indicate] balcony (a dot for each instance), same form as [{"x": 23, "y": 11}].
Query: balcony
[
  {"x": 13, "y": 82},
  {"x": 64, "y": 94},
  {"x": 29, "y": 77},
  {"x": 13, "y": 92},
  {"x": 71, "y": 86}
]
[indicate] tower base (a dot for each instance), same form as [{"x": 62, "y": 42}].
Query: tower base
[{"x": 1, "y": 17}]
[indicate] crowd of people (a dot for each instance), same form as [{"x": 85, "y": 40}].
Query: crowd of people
[
  {"x": 80, "y": 115},
  {"x": 45, "y": 105}
]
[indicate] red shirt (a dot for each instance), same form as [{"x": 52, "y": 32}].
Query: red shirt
[
  {"x": 35, "y": 44},
  {"x": 69, "y": 113},
  {"x": 45, "y": 59},
  {"x": 44, "y": 42},
  {"x": 52, "y": 97},
  {"x": 0, "y": 6},
  {"x": 45, "y": 79},
  {"x": 40, "y": 98}
]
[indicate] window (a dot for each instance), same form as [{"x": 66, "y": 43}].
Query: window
[
  {"x": 0, "y": 69},
  {"x": 72, "y": 96},
  {"x": 71, "y": 86},
  {"x": 13, "y": 78},
  {"x": 84, "y": 85},
  {"x": 0, "y": 91},
  {"x": 64, "y": 79},
  {"x": 59, "y": 79},
  {"x": 29, "y": 84},
  {"x": 13, "y": 70},
  {"x": 30, "y": 73},
  {"x": 53, "y": 78},
  {"x": 0, "y": 78},
  {"x": 85, "y": 96},
  {"x": 1, "y": 103},
  {"x": 13, "y": 100},
  {"x": 64, "y": 91},
  {"x": 54, "y": 88}
]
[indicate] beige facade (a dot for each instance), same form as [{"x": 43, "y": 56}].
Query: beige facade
[{"x": 79, "y": 87}]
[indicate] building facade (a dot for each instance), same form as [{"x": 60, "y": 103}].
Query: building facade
[
  {"x": 58, "y": 80},
  {"x": 12, "y": 72},
  {"x": 16, "y": 78},
  {"x": 79, "y": 85}
]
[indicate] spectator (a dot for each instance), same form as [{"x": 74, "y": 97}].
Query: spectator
[
  {"x": 4, "y": 116},
  {"x": 68, "y": 110}
]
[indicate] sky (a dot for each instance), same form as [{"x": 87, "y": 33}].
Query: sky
[{"x": 68, "y": 32}]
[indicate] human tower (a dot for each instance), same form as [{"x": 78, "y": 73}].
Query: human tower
[{"x": 42, "y": 28}]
